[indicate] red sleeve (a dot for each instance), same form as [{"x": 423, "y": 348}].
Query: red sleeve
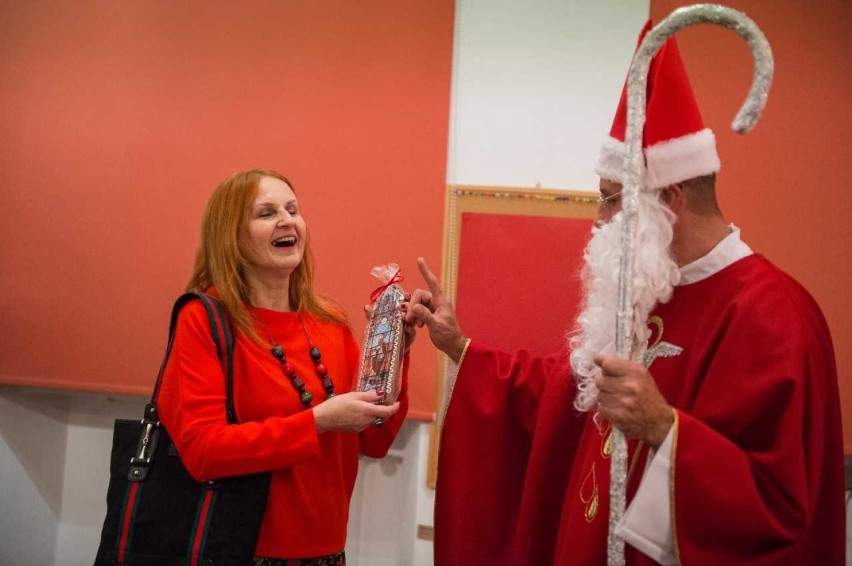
[
  {"x": 758, "y": 473},
  {"x": 485, "y": 448},
  {"x": 375, "y": 442},
  {"x": 192, "y": 408},
  {"x": 494, "y": 386}
]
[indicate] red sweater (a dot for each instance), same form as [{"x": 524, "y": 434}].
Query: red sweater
[{"x": 313, "y": 475}]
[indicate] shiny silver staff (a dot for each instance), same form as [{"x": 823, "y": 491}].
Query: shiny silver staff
[{"x": 637, "y": 80}]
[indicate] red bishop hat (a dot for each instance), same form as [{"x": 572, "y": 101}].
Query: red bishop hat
[{"x": 675, "y": 142}]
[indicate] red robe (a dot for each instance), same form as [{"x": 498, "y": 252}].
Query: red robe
[{"x": 757, "y": 465}]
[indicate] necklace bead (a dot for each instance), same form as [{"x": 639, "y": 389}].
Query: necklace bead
[
  {"x": 278, "y": 352},
  {"x": 305, "y": 396}
]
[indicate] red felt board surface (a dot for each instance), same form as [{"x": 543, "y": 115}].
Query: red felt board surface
[{"x": 518, "y": 280}]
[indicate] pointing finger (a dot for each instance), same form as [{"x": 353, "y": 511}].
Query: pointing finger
[{"x": 429, "y": 277}]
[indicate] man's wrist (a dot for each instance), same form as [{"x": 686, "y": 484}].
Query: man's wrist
[
  {"x": 658, "y": 433},
  {"x": 458, "y": 349}
]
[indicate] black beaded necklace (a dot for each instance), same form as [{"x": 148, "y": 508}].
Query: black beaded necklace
[{"x": 305, "y": 396}]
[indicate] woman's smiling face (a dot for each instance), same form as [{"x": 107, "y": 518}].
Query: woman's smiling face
[{"x": 274, "y": 237}]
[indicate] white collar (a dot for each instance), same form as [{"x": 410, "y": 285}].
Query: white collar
[{"x": 731, "y": 249}]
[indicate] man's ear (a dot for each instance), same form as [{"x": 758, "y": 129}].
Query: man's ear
[{"x": 674, "y": 196}]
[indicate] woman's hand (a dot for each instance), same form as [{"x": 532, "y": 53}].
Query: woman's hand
[{"x": 352, "y": 412}]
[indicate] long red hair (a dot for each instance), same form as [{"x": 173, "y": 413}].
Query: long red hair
[{"x": 220, "y": 264}]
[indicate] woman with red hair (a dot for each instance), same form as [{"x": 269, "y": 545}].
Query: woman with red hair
[{"x": 295, "y": 370}]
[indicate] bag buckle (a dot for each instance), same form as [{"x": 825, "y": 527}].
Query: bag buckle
[{"x": 145, "y": 449}]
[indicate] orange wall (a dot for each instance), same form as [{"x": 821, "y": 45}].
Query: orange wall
[
  {"x": 119, "y": 118},
  {"x": 786, "y": 184}
]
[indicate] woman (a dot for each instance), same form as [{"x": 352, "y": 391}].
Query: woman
[{"x": 295, "y": 369}]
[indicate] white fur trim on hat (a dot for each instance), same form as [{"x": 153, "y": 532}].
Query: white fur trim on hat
[
  {"x": 667, "y": 162},
  {"x": 611, "y": 160},
  {"x": 686, "y": 157}
]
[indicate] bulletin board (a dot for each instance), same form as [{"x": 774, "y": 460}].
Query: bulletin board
[{"x": 512, "y": 258}]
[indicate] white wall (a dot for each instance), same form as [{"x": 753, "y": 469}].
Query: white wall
[
  {"x": 88, "y": 443},
  {"x": 32, "y": 466},
  {"x": 535, "y": 85}
]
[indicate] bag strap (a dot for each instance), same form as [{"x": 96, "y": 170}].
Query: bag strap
[{"x": 223, "y": 337}]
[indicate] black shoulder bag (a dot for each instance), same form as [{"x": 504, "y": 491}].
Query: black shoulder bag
[{"x": 157, "y": 515}]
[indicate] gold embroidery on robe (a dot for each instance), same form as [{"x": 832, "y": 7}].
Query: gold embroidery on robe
[
  {"x": 590, "y": 500},
  {"x": 606, "y": 444},
  {"x": 659, "y": 349}
]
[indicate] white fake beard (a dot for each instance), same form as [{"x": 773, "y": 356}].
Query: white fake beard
[{"x": 654, "y": 274}]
